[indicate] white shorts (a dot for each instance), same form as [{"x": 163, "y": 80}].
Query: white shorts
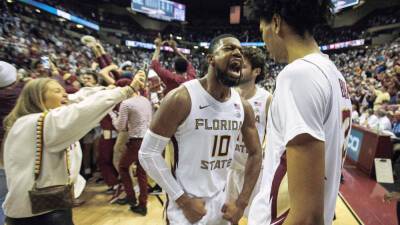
[
  {"x": 235, "y": 185},
  {"x": 213, "y": 217}
]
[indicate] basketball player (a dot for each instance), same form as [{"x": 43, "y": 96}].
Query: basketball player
[
  {"x": 205, "y": 117},
  {"x": 253, "y": 72},
  {"x": 309, "y": 119}
]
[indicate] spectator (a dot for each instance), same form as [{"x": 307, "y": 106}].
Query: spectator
[
  {"x": 184, "y": 70},
  {"x": 89, "y": 78},
  {"x": 382, "y": 95},
  {"x": 37, "y": 97},
  {"x": 372, "y": 120},
  {"x": 384, "y": 123},
  {"x": 134, "y": 116}
]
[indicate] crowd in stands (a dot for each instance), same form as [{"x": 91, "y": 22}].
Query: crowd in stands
[
  {"x": 372, "y": 73},
  {"x": 373, "y": 83}
]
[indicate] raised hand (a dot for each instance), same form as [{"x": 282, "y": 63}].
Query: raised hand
[
  {"x": 158, "y": 41},
  {"x": 172, "y": 43}
]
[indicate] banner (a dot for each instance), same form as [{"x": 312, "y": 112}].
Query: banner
[{"x": 354, "y": 144}]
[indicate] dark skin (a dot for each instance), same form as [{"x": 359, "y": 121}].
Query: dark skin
[
  {"x": 305, "y": 154},
  {"x": 167, "y": 119}
]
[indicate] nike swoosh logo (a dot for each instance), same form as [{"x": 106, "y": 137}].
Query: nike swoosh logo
[{"x": 203, "y": 107}]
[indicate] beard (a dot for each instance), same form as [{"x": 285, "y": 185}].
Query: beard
[{"x": 226, "y": 79}]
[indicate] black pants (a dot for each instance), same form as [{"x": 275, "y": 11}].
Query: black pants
[{"x": 57, "y": 217}]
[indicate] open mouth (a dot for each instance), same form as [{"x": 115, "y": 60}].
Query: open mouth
[
  {"x": 235, "y": 66},
  {"x": 64, "y": 101}
]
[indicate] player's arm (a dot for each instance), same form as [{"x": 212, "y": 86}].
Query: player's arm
[
  {"x": 234, "y": 211},
  {"x": 162, "y": 128},
  {"x": 305, "y": 171},
  {"x": 303, "y": 114},
  {"x": 173, "y": 110},
  {"x": 253, "y": 164}
]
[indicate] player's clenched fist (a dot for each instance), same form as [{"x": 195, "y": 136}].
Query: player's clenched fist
[
  {"x": 193, "y": 208},
  {"x": 232, "y": 212}
]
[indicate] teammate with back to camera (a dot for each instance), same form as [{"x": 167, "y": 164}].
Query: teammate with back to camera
[
  {"x": 309, "y": 119},
  {"x": 253, "y": 72},
  {"x": 204, "y": 118}
]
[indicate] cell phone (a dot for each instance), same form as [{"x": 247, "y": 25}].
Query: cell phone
[
  {"x": 45, "y": 62},
  {"x": 146, "y": 72}
]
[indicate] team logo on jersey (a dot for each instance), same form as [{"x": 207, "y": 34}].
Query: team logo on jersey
[
  {"x": 203, "y": 106},
  {"x": 208, "y": 124}
]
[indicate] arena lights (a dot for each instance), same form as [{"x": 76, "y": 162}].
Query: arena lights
[
  {"x": 196, "y": 47},
  {"x": 339, "y": 45},
  {"x": 60, "y": 13},
  {"x": 138, "y": 44},
  {"x": 10, "y": 1}
]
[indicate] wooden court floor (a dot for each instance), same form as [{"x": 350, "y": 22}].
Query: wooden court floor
[{"x": 97, "y": 211}]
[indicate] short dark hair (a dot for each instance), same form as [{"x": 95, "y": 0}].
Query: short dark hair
[
  {"x": 257, "y": 60},
  {"x": 302, "y": 15},
  {"x": 93, "y": 74},
  {"x": 214, "y": 42},
  {"x": 180, "y": 65},
  {"x": 35, "y": 63}
]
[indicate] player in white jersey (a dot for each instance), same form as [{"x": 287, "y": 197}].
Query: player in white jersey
[
  {"x": 205, "y": 118},
  {"x": 253, "y": 72},
  {"x": 309, "y": 119}
]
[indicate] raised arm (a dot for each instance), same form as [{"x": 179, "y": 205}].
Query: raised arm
[
  {"x": 233, "y": 211},
  {"x": 105, "y": 73},
  {"x": 68, "y": 124},
  {"x": 158, "y": 43},
  {"x": 173, "y": 45}
]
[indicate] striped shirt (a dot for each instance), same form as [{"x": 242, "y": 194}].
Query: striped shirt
[{"x": 134, "y": 116}]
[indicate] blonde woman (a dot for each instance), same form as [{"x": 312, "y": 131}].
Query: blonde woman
[{"x": 68, "y": 119}]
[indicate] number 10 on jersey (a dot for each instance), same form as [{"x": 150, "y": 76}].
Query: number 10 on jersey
[{"x": 221, "y": 145}]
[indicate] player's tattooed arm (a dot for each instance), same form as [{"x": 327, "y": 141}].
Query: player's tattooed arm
[{"x": 233, "y": 211}]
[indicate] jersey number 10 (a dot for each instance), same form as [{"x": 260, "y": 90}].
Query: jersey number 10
[{"x": 222, "y": 144}]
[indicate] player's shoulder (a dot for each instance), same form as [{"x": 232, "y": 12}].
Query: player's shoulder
[
  {"x": 179, "y": 95},
  {"x": 263, "y": 92},
  {"x": 296, "y": 68}
]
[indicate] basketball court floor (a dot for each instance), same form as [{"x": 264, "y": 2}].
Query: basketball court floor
[{"x": 97, "y": 211}]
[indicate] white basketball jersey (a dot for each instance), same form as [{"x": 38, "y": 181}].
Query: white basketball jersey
[
  {"x": 310, "y": 97},
  {"x": 258, "y": 103},
  {"x": 205, "y": 142}
]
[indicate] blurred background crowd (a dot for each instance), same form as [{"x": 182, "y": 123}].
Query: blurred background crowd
[{"x": 41, "y": 45}]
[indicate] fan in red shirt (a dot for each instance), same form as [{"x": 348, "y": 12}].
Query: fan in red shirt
[{"x": 184, "y": 70}]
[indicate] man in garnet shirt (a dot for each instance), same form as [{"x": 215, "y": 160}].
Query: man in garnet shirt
[{"x": 184, "y": 70}]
